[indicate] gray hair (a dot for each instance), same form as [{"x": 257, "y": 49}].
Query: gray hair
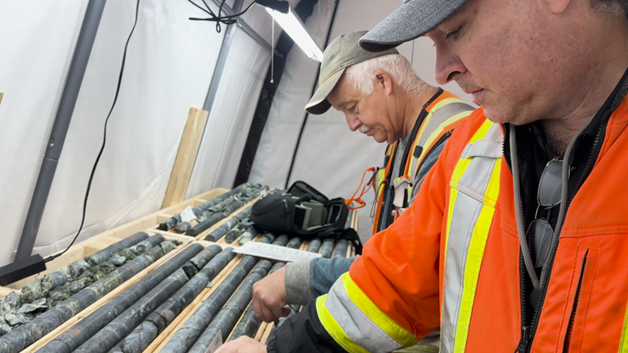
[
  {"x": 615, "y": 7},
  {"x": 360, "y": 75}
]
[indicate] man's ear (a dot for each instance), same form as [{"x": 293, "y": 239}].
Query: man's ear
[
  {"x": 556, "y": 6},
  {"x": 384, "y": 81}
]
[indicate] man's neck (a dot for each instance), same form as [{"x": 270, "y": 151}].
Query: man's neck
[
  {"x": 602, "y": 80},
  {"x": 560, "y": 132},
  {"x": 414, "y": 106}
]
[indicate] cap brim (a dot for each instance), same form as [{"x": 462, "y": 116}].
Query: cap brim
[
  {"x": 319, "y": 104},
  {"x": 410, "y": 21}
]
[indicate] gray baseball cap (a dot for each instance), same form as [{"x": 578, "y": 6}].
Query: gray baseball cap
[
  {"x": 412, "y": 20},
  {"x": 343, "y": 52}
]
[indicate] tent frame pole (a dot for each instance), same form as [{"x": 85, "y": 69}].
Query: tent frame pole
[
  {"x": 226, "y": 46},
  {"x": 73, "y": 82},
  {"x": 222, "y": 56}
]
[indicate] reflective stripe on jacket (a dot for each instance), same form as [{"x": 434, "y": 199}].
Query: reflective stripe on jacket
[
  {"x": 454, "y": 255},
  {"x": 445, "y": 113}
]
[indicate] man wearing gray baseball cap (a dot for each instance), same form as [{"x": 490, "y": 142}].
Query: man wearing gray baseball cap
[{"x": 518, "y": 234}]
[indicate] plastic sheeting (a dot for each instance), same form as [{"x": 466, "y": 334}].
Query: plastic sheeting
[
  {"x": 169, "y": 67},
  {"x": 331, "y": 157},
  {"x": 231, "y": 115}
]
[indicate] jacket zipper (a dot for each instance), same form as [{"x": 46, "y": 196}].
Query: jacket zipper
[
  {"x": 575, "y": 305},
  {"x": 528, "y": 332},
  {"x": 554, "y": 248}
]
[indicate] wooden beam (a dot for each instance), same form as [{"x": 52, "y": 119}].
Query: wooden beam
[{"x": 186, "y": 156}]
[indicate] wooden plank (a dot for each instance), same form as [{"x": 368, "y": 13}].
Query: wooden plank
[
  {"x": 4, "y": 291},
  {"x": 266, "y": 333},
  {"x": 260, "y": 331},
  {"x": 188, "y": 149}
]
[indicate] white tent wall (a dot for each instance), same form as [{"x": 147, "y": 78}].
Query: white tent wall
[
  {"x": 236, "y": 99},
  {"x": 38, "y": 40},
  {"x": 330, "y": 157},
  {"x": 272, "y": 158},
  {"x": 169, "y": 67}
]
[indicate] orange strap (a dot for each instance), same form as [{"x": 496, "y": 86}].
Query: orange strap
[{"x": 365, "y": 189}]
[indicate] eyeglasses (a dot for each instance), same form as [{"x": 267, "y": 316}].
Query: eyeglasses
[{"x": 549, "y": 195}]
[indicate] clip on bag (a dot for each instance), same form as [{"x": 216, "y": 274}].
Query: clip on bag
[{"x": 305, "y": 212}]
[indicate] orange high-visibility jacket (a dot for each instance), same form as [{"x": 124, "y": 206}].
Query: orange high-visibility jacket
[
  {"x": 437, "y": 120},
  {"x": 453, "y": 259}
]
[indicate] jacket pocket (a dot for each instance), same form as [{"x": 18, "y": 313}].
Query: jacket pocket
[{"x": 577, "y": 319}]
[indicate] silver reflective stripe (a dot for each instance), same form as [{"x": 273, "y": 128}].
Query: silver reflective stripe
[
  {"x": 483, "y": 148},
  {"x": 440, "y": 115},
  {"x": 356, "y": 324},
  {"x": 466, "y": 211}
]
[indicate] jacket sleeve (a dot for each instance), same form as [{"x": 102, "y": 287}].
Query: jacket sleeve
[
  {"x": 302, "y": 333},
  {"x": 306, "y": 280},
  {"x": 324, "y": 272},
  {"x": 390, "y": 296}
]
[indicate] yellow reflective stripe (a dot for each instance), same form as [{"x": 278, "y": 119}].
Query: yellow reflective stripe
[
  {"x": 381, "y": 176},
  {"x": 474, "y": 260},
  {"x": 490, "y": 197},
  {"x": 445, "y": 102},
  {"x": 380, "y": 319},
  {"x": 482, "y": 131},
  {"x": 439, "y": 131},
  {"x": 461, "y": 167},
  {"x": 424, "y": 125},
  {"x": 623, "y": 344},
  {"x": 414, "y": 162},
  {"x": 334, "y": 329}
]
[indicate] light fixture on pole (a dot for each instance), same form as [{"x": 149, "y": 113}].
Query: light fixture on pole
[{"x": 282, "y": 13}]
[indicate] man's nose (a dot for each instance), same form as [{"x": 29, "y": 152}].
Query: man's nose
[
  {"x": 353, "y": 122},
  {"x": 448, "y": 65}
]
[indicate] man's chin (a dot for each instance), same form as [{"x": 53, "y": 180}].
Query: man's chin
[
  {"x": 381, "y": 139},
  {"x": 498, "y": 116}
]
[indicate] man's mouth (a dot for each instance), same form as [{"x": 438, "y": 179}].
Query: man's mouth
[
  {"x": 364, "y": 129},
  {"x": 476, "y": 97}
]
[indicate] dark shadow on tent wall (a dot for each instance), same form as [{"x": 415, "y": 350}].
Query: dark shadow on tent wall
[{"x": 284, "y": 44}]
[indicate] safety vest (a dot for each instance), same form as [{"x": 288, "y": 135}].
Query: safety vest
[
  {"x": 473, "y": 195},
  {"x": 472, "y": 200},
  {"x": 393, "y": 193},
  {"x": 453, "y": 259}
]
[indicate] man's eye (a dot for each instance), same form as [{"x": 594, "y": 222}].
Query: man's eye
[
  {"x": 352, "y": 108},
  {"x": 454, "y": 34}
]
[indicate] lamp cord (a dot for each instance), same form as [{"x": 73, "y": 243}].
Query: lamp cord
[
  {"x": 102, "y": 148},
  {"x": 213, "y": 17}
]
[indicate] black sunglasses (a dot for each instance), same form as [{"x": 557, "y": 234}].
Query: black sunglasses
[{"x": 549, "y": 195}]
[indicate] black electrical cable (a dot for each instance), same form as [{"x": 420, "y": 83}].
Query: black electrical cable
[
  {"x": 227, "y": 20},
  {"x": 104, "y": 141}
]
